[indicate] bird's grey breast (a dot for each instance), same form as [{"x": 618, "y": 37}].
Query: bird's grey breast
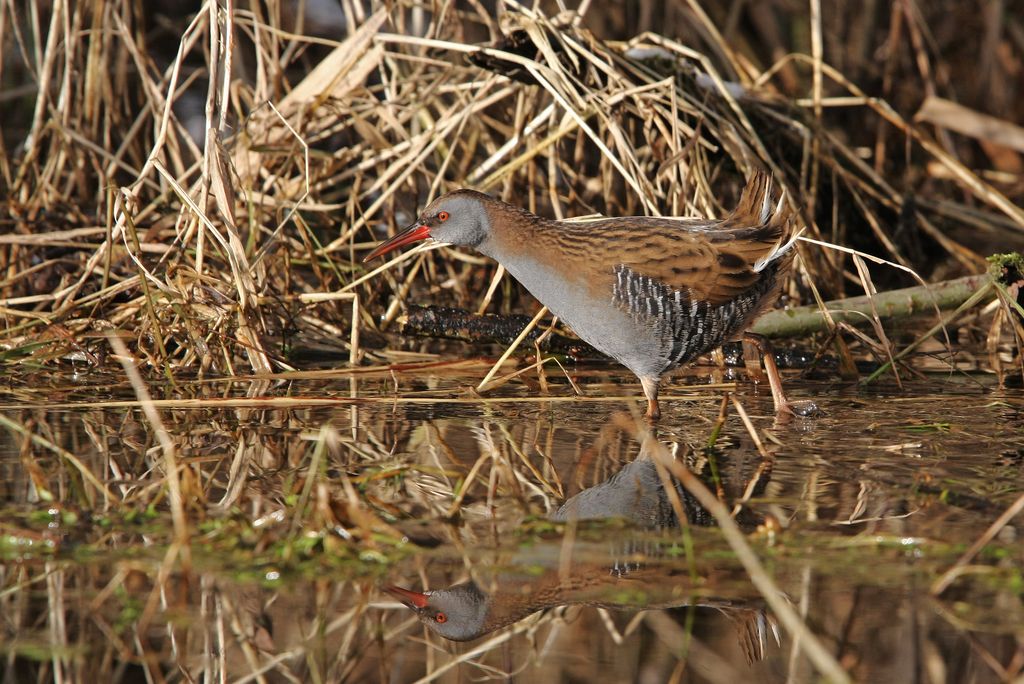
[{"x": 591, "y": 314}]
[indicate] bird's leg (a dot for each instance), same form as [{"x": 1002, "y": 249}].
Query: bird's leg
[
  {"x": 752, "y": 360},
  {"x": 774, "y": 379},
  {"x": 650, "y": 386}
]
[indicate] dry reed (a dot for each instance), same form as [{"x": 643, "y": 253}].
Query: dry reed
[{"x": 206, "y": 194}]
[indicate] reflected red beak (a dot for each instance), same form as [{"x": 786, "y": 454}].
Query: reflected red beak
[
  {"x": 413, "y": 233},
  {"x": 413, "y": 599}
]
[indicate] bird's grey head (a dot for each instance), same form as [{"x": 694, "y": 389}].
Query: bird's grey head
[
  {"x": 458, "y": 218},
  {"x": 458, "y": 613}
]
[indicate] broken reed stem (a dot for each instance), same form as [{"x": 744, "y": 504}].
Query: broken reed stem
[
  {"x": 749, "y": 425},
  {"x": 947, "y": 578},
  {"x": 313, "y": 473},
  {"x": 984, "y": 291},
  {"x": 537, "y": 365},
  {"x": 511, "y": 348},
  {"x": 167, "y": 445},
  {"x": 87, "y": 474},
  {"x": 823, "y": 661}
]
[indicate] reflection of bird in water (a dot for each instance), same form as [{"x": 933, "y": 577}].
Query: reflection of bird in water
[{"x": 634, "y": 575}]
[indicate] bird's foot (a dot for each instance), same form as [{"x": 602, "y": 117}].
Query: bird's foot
[
  {"x": 783, "y": 406},
  {"x": 803, "y": 409}
]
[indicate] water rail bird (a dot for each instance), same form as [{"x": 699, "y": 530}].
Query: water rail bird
[{"x": 650, "y": 292}]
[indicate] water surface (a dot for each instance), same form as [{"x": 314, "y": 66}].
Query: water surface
[{"x": 305, "y": 495}]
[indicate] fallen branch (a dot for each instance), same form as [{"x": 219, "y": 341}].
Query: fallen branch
[
  {"x": 891, "y": 305},
  {"x": 459, "y": 324}
]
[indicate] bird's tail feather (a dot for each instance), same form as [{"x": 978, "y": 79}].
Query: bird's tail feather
[{"x": 759, "y": 208}]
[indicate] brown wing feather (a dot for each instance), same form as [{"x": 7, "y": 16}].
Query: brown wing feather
[
  {"x": 712, "y": 260},
  {"x": 716, "y": 261}
]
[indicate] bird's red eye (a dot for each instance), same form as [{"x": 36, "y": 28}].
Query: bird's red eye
[
  {"x": 442, "y": 216},
  {"x": 441, "y": 617}
]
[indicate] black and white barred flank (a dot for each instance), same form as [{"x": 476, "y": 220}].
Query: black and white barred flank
[{"x": 687, "y": 327}]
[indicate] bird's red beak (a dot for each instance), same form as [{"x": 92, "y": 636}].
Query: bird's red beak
[
  {"x": 413, "y": 599},
  {"x": 413, "y": 233}
]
